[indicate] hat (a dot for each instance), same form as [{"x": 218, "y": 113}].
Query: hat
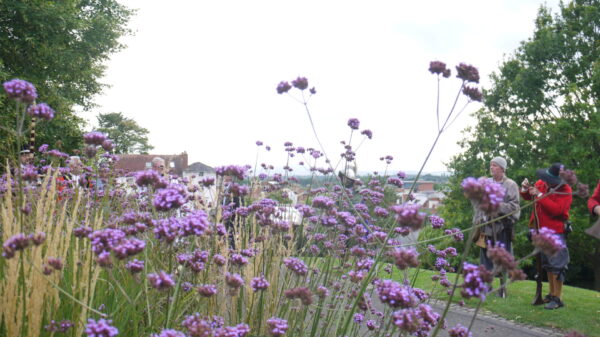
[
  {"x": 500, "y": 162},
  {"x": 348, "y": 180},
  {"x": 550, "y": 175}
]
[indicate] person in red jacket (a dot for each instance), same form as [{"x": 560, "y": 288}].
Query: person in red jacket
[
  {"x": 553, "y": 199},
  {"x": 594, "y": 207}
]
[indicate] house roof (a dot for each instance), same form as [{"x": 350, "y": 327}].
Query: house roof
[
  {"x": 137, "y": 162},
  {"x": 199, "y": 167}
]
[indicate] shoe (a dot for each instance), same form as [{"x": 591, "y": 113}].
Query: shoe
[
  {"x": 555, "y": 303},
  {"x": 547, "y": 298}
]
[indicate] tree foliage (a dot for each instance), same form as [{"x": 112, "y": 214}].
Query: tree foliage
[
  {"x": 127, "y": 135},
  {"x": 542, "y": 107},
  {"x": 60, "y": 47}
]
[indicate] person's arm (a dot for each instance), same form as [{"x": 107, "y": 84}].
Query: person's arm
[
  {"x": 511, "y": 199},
  {"x": 594, "y": 201},
  {"x": 561, "y": 203}
]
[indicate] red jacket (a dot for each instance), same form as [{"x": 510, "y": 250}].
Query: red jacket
[
  {"x": 594, "y": 200},
  {"x": 553, "y": 210}
]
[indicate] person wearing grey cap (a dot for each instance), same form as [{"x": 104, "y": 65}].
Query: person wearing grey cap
[{"x": 499, "y": 232}]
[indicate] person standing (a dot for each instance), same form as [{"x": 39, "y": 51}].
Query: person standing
[
  {"x": 553, "y": 199},
  {"x": 594, "y": 208},
  {"x": 500, "y": 232}
]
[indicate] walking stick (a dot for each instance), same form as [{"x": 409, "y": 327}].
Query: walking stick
[
  {"x": 537, "y": 300},
  {"x": 32, "y": 135},
  {"x": 594, "y": 230}
]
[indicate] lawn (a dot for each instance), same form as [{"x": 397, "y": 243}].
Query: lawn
[{"x": 581, "y": 311}]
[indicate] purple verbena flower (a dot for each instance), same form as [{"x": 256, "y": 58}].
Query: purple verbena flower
[
  {"x": 135, "y": 266},
  {"x": 94, "y": 138},
  {"x": 300, "y": 83},
  {"x": 161, "y": 281},
  {"x": 283, "y": 87},
  {"x": 302, "y": 293},
  {"x": 20, "y": 90},
  {"x": 459, "y": 331},
  {"x": 405, "y": 257},
  {"x": 100, "y": 328},
  {"x": 296, "y": 265},
  {"x": 477, "y": 281},
  {"x": 436, "y": 221},
  {"x": 276, "y": 327},
  {"x": 408, "y": 215},
  {"x": 467, "y": 72},
  {"x": 546, "y": 241},
  {"x": 353, "y": 123},
  {"x": 41, "y": 110},
  {"x": 169, "y": 198},
  {"x": 207, "y": 290},
  {"x": 367, "y": 133}
]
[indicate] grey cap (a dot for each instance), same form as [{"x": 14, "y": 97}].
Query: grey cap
[{"x": 500, "y": 162}]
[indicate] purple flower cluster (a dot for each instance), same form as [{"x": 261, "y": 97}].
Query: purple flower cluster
[
  {"x": 436, "y": 221},
  {"x": 416, "y": 321},
  {"x": 456, "y": 234},
  {"x": 234, "y": 280},
  {"x": 408, "y": 215},
  {"x": 323, "y": 202},
  {"x": 41, "y": 110},
  {"x": 100, "y": 328},
  {"x": 367, "y": 133},
  {"x": 395, "y": 181},
  {"x": 276, "y": 327},
  {"x": 484, "y": 192},
  {"x": 169, "y": 198},
  {"x": 259, "y": 283},
  {"x": 62, "y": 326},
  {"x": 546, "y": 241},
  {"x": 473, "y": 93},
  {"x": 207, "y": 290},
  {"x": 19, "y": 90},
  {"x": 15, "y": 243},
  {"x": 395, "y": 295},
  {"x": 135, "y": 266},
  {"x": 296, "y": 265},
  {"x": 300, "y": 83},
  {"x": 161, "y": 281},
  {"x": 405, "y": 257},
  {"x": 353, "y": 123},
  {"x": 283, "y": 87},
  {"x": 196, "y": 223},
  {"x": 128, "y": 247},
  {"x": 467, "y": 73},
  {"x": 147, "y": 178},
  {"x": 232, "y": 170},
  {"x": 94, "y": 138},
  {"x": 302, "y": 293},
  {"x": 477, "y": 281},
  {"x": 459, "y": 331},
  {"x": 438, "y": 67}
]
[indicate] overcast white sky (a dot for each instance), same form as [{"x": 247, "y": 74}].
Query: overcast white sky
[{"x": 201, "y": 75}]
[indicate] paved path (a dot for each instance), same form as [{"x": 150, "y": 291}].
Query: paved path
[{"x": 487, "y": 324}]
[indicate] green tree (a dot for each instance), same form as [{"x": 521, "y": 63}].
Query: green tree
[
  {"x": 127, "y": 135},
  {"x": 60, "y": 47},
  {"x": 542, "y": 107}
]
